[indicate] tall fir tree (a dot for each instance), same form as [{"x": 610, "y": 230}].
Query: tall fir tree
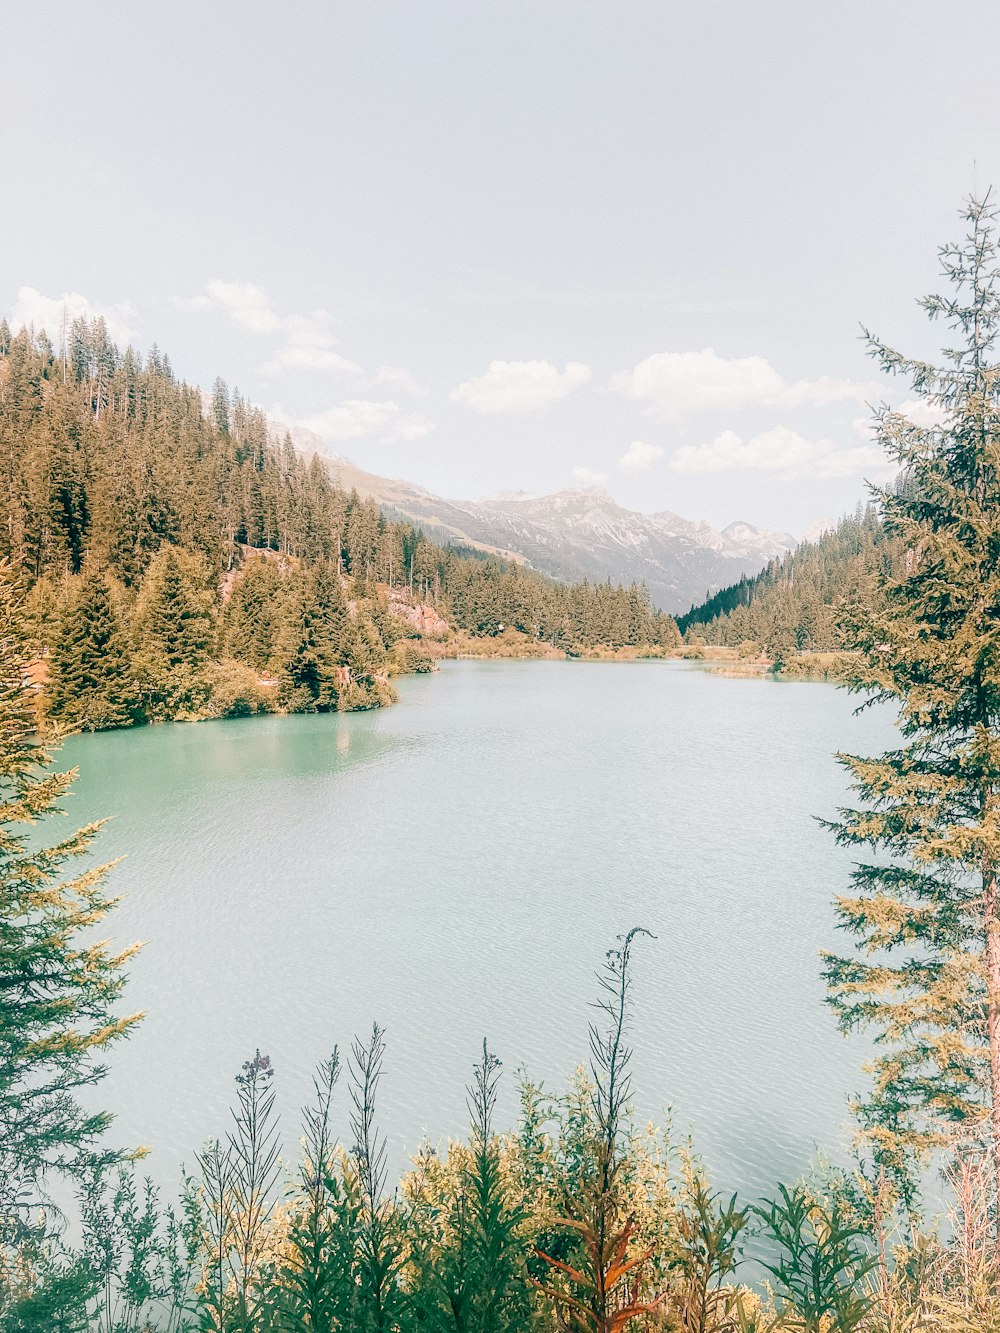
[
  {"x": 59, "y": 984},
  {"x": 252, "y": 616},
  {"x": 925, "y": 906},
  {"x": 310, "y": 648},
  {"x": 175, "y": 629},
  {"x": 91, "y": 684}
]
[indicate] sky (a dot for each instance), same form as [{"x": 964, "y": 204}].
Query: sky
[{"x": 523, "y": 246}]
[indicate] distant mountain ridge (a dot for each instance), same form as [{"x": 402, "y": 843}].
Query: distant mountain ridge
[
  {"x": 579, "y": 533},
  {"x": 793, "y": 604}
]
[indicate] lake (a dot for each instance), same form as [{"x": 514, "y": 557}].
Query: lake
[{"x": 456, "y": 866}]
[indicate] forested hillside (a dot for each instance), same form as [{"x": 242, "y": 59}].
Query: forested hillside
[
  {"x": 792, "y": 605},
  {"x": 182, "y": 564}
]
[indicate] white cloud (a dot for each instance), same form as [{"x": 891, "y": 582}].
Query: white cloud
[
  {"x": 302, "y": 357},
  {"x": 673, "y": 384},
  {"x": 639, "y": 455},
  {"x": 587, "y": 476},
  {"x": 47, "y": 312},
  {"x": 780, "y": 452},
  {"x": 923, "y": 413},
  {"x": 398, "y": 379},
  {"x": 520, "y": 386},
  {"x": 246, "y": 305},
  {"x": 356, "y": 418},
  {"x": 306, "y": 341},
  {"x": 411, "y": 426},
  {"x": 920, "y": 412}
]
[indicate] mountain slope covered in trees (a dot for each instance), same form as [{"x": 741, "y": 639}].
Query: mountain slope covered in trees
[
  {"x": 182, "y": 563},
  {"x": 792, "y": 605}
]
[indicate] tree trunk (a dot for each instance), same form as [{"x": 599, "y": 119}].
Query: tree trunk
[{"x": 993, "y": 1021}]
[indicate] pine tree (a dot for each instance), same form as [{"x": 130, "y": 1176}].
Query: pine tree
[
  {"x": 174, "y": 634},
  {"x": 252, "y": 616},
  {"x": 59, "y": 986},
  {"x": 926, "y": 906},
  {"x": 220, "y": 405},
  {"x": 91, "y": 684},
  {"x": 309, "y": 648}
]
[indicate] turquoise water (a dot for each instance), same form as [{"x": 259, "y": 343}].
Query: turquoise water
[{"x": 456, "y": 866}]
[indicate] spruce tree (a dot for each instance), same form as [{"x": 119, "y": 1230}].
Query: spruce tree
[
  {"x": 310, "y": 645},
  {"x": 252, "y": 616},
  {"x": 91, "y": 684},
  {"x": 59, "y": 985},
  {"x": 174, "y": 634},
  {"x": 925, "y": 906}
]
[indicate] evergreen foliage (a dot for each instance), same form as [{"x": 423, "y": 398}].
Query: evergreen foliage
[
  {"x": 90, "y": 683},
  {"x": 925, "y": 908},
  {"x": 317, "y": 639},
  {"x": 174, "y": 632},
  {"x": 59, "y": 986}
]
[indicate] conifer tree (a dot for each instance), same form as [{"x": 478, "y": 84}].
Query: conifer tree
[
  {"x": 174, "y": 634},
  {"x": 252, "y": 616},
  {"x": 91, "y": 684},
  {"x": 925, "y": 906},
  {"x": 220, "y": 405},
  {"x": 310, "y": 645},
  {"x": 59, "y": 986}
]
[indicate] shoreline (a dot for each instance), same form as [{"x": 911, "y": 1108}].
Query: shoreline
[{"x": 820, "y": 668}]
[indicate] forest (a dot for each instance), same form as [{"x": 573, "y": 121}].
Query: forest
[
  {"x": 795, "y": 604},
  {"x": 576, "y": 1218},
  {"x": 184, "y": 561}
]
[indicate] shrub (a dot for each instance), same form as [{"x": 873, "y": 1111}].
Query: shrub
[
  {"x": 235, "y": 691},
  {"x": 414, "y": 660}
]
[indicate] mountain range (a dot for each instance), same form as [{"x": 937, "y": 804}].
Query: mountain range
[{"x": 580, "y": 533}]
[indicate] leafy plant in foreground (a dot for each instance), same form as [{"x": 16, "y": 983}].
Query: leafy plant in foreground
[
  {"x": 601, "y": 1285},
  {"x": 466, "y": 1228},
  {"x": 238, "y": 1183},
  {"x": 821, "y": 1263},
  {"x": 710, "y": 1232},
  {"x": 380, "y": 1253},
  {"x": 313, "y": 1282}
]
